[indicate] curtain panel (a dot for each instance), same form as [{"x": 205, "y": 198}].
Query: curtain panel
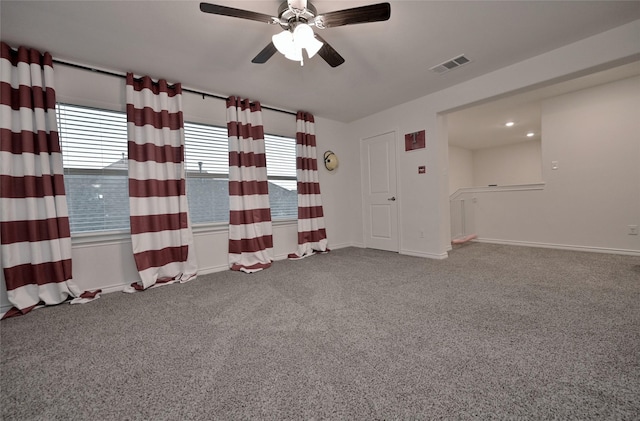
[
  {"x": 160, "y": 228},
  {"x": 250, "y": 229},
  {"x": 34, "y": 220},
  {"x": 312, "y": 235}
]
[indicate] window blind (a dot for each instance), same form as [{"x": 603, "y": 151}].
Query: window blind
[
  {"x": 94, "y": 156},
  {"x": 281, "y": 173}
]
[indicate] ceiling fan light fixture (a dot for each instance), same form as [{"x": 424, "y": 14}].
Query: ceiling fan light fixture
[
  {"x": 313, "y": 46},
  {"x": 283, "y": 42},
  {"x": 302, "y": 34},
  {"x": 303, "y": 37},
  {"x": 294, "y": 54},
  {"x": 290, "y": 44}
]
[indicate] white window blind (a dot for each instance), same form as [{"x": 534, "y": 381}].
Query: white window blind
[
  {"x": 94, "y": 155},
  {"x": 207, "y": 163},
  {"x": 281, "y": 173},
  {"x": 94, "y": 151}
]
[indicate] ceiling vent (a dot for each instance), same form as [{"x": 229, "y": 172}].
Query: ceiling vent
[{"x": 450, "y": 64}]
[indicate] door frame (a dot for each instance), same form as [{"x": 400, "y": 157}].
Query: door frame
[{"x": 398, "y": 223}]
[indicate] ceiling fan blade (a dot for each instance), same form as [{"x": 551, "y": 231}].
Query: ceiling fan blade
[
  {"x": 372, "y": 13},
  {"x": 265, "y": 54},
  {"x": 235, "y": 13},
  {"x": 329, "y": 55}
]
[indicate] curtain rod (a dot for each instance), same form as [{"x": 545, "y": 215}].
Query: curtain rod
[{"x": 123, "y": 76}]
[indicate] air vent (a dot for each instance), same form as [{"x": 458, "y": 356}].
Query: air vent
[{"x": 450, "y": 64}]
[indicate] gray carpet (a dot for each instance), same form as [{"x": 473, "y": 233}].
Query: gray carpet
[{"x": 492, "y": 332}]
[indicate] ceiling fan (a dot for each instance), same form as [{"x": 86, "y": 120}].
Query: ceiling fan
[{"x": 296, "y": 17}]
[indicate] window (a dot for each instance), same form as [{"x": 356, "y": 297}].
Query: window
[
  {"x": 207, "y": 168},
  {"x": 207, "y": 163},
  {"x": 281, "y": 173},
  {"x": 94, "y": 153}
]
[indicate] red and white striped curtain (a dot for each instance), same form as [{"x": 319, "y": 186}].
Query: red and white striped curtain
[
  {"x": 34, "y": 220},
  {"x": 160, "y": 230},
  {"x": 312, "y": 235},
  {"x": 250, "y": 230}
]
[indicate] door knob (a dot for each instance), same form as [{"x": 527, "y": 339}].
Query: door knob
[{"x": 393, "y": 199}]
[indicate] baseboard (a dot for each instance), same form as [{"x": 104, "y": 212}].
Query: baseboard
[
  {"x": 114, "y": 288},
  {"x": 559, "y": 246},
  {"x": 413, "y": 253},
  {"x": 212, "y": 269},
  {"x": 344, "y": 245},
  {"x": 332, "y": 246},
  {"x": 105, "y": 290}
]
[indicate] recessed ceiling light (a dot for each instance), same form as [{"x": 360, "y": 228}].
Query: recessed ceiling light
[
  {"x": 509, "y": 123},
  {"x": 530, "y": 134}
]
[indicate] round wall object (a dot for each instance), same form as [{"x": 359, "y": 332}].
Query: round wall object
[{"x": 330, "y": 160}]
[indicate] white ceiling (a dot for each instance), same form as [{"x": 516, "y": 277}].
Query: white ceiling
[
  {"x": 483, "y": 126},
  {"x": 386, "y": 62}
]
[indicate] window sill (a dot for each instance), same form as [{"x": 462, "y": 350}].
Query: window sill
[
  {"x": 224, "y": 226},
  {"x": 100, "y": 238},
  {"x": 124, "y": 236},
  {"x": 284, "y": 222},
  {"x": 209, "y": 227}
]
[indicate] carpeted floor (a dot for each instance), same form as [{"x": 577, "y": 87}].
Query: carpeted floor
[{"x": 491, "y": 332}]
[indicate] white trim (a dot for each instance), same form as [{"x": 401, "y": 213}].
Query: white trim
[
  {"x": 284, "y": 222},
  {"x": 278, "y": 257},
  {"x": 591, "y": 249},
  {"x": 209, "y": 228},
  {"x": 100, "y": 238},
  {"x": 115, "y": 288},
  {"x": 488, "y": 189},
  {"x": 398, "y": 221},
  {"x": 399, "y": 144},
  {"x": 342, "y": 245},
  {"x": 105, "y": 290},
  {"x": 212, "y": 269},
  {"x": 439, "y": 256}
]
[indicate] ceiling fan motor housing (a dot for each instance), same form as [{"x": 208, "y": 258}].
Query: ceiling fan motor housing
[{"x": 286, "y": 14}]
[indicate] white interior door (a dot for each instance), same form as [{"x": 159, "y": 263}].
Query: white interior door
[{"x": 380, "y": 213}]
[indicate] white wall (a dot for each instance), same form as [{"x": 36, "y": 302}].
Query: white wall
[
  {"x": 424, "y": 200},
  {"x": 594, "y": 135},
  {"x": 340, "y": 188},
  {"x": 589, "y": 201},
  {"x": 460, "y": 168},
  {"x": 519, "y": 163}
]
